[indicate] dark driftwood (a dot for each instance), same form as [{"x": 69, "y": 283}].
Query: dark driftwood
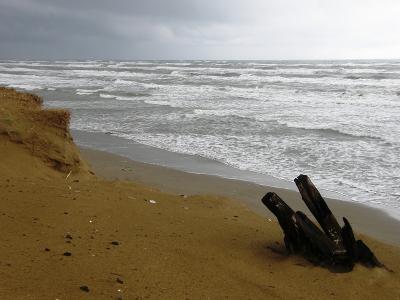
[
  {"x": 333, "y": 246},
  {"x": 320, "y": 210},
  {"x": 285, "y": 216}
]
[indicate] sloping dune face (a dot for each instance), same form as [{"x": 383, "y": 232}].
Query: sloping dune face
[{"x": 43, "y": 132}]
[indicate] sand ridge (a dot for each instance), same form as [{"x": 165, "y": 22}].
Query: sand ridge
[{"x": 45, "y": 132}]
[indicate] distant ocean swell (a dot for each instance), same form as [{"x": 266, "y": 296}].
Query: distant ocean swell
[{"x": 338, "y": 121}]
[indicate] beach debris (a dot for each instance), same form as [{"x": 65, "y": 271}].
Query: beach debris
[
  {"x": 115, "y": 243},
  {"x": 84, "y": 288},
  {"x": 334, "y": 246},
  {"x": 152, "y": 201},
  {"x": 67, "y": 253},
  {"x": 68, "y": 236},
  {"x": 68, "y": 174},
  {"x": 120, "y": 281}
]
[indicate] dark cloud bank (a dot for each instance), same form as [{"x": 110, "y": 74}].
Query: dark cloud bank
[{"x": 193, "y": 29}]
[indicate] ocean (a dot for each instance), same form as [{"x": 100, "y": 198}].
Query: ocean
[{"x": 336, "y": 121}]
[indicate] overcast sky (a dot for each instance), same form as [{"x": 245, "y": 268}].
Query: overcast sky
[{"x": 199, "y": 29}]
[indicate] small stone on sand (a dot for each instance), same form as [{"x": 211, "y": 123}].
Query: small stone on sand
[
  {"x": 84, "y": 288},
  {"x": 120, "y": 281}
]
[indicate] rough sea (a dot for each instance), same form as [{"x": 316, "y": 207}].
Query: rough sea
[{"x": 337, "y": 121}]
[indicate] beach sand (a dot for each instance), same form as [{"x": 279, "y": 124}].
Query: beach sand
[
  {"x": 364, "y": 219},
  {"x": 73, "y": 235}
]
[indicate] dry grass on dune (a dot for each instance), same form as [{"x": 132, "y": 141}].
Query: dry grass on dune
[
  {"x": 53, "y": 117},
  {"x": 44, "y": 132}
]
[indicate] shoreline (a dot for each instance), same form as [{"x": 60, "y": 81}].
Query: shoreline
[
  {"x": 121, "y": 234},
  {"x": 189, "y": 163},
  {"x": 147, "y": 169},
  {"x": 196, "y": 164}
]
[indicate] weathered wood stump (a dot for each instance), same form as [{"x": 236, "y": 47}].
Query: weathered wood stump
[{"x": 334, "y": 246}]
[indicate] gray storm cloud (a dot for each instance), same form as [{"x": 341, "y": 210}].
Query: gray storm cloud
[{"x": 192, "y": 29}]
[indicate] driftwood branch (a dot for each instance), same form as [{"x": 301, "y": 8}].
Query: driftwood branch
[
  {"x": 286, "y": 217},
  {"x": 320, "y": 210},
  {"x": 333, "y": 246}
]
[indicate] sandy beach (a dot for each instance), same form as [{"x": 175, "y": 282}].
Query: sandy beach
[
  {"x": 371, "y": 221},
  {"x": 85, "y": 224}
]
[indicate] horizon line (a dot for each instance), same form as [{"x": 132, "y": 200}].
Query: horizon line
[{"x": 195, "y": 59}]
